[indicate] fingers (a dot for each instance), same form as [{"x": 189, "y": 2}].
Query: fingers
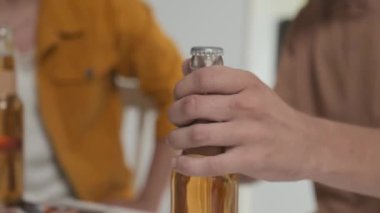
[
  {"x": 205, "y": 166},
  {"x": 186, "y": 67},
  {"x": 214, "y": 80},
  {"x": 196, "y": 107},
  {"x": 200, "y": 135}
]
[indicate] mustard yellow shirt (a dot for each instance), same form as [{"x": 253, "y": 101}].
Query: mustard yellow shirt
[{"x": 82, "y": 45}]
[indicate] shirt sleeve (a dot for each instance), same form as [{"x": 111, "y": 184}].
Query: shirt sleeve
[
  {"x": 294, "y": 60},
  {"x": 285, "y": 84},
  {"x": 149, "y": 55}
]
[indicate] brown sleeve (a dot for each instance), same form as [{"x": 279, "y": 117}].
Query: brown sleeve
[{"x": 294, "y": 57}]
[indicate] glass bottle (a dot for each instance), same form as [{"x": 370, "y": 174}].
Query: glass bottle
[
  {"x": 204, "y": 194},
  {"x": 11, "y": 126}
]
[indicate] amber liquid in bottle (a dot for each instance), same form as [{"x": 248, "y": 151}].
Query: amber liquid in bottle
[
  {"x": 11, "y": 128},
  {"x": 204, "y": 194}
]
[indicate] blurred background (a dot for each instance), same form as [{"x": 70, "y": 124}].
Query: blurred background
[{"x": 250, "y": 32}]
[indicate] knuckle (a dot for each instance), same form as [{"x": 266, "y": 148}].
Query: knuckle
[
  {"x": 252, "y": 81},
  {"x": 213, "y": 166},
  {"x": 189, "y": 105},
  {"x": 171, "y": 114},
  {"x": 199, "y": 135},
  {"x": 181, "y": 164},
  {"x": 241, "y": 103},
  {"x": 172, "y": 139},
  {"x": 201, "y": 78},
  {"x": 175, "y": 114},
  {"x": 252, "y": 78},
  {"x": 247, "y": 78},
  {"x": 177, "y": 90},
  {"x": 256, "y": 84},
  {"x": 186, "y": 166}
]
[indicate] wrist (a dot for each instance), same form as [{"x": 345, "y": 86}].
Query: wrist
[{"x": 314, "y": 135}]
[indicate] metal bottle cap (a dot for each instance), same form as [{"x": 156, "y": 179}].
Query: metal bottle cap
[
  {"x": 205, "y": 57},
  {"x": 207, "y": 51}
]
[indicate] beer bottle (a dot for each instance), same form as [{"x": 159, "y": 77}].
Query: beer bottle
[
  {"x": 204, "y": 194},
  {"x": 11, "y": 128}
]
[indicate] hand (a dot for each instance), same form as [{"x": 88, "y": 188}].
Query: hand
[{"x": 265, "y": 138}]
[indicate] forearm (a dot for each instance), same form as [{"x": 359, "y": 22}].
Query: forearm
[
  {"x": 158, "y": 177},
  {"x": 345, "y": 156}
]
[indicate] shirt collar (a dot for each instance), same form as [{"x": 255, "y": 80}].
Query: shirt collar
[{"x": 56, "y": 20}]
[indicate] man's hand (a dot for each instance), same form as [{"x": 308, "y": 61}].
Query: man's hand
[{"x": 265, "y": 138}]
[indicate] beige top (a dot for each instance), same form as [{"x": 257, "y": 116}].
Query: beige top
[
  {"x": 330, "y": 67},
  {"x": 43, "y": 179}
]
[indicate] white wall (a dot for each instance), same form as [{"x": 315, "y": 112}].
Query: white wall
[
  {"x": 261, "y": 52},
  {"x": 246, "y": 29},
  {"x": 205, "y": 22}
]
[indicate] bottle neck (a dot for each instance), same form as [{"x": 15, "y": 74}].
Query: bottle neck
[
  {"x": 7, "y": 65},
  {"x": 198, "y": 61},
  {"x": 7, "y": 75}
]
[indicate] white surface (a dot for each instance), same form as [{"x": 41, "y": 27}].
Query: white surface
[
  {"x": 293, "y": 197},
  {"x": 138, "y": 136},
  {"x": 261, "y": 43},
  {"x": 205, "y": 22},
  {"x": 96, "y": 207}
]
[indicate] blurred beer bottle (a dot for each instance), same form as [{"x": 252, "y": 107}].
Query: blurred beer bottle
[
  {"x": 204, "y": 194},
  {"x": 11, "y": 126}
]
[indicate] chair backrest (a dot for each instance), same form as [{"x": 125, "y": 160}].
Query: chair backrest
[{"x": 138, "y": 130}]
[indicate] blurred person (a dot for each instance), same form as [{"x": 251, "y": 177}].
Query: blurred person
[
  {"x": 68, "y": 53},
  {"x": 322, "y": 123}
]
